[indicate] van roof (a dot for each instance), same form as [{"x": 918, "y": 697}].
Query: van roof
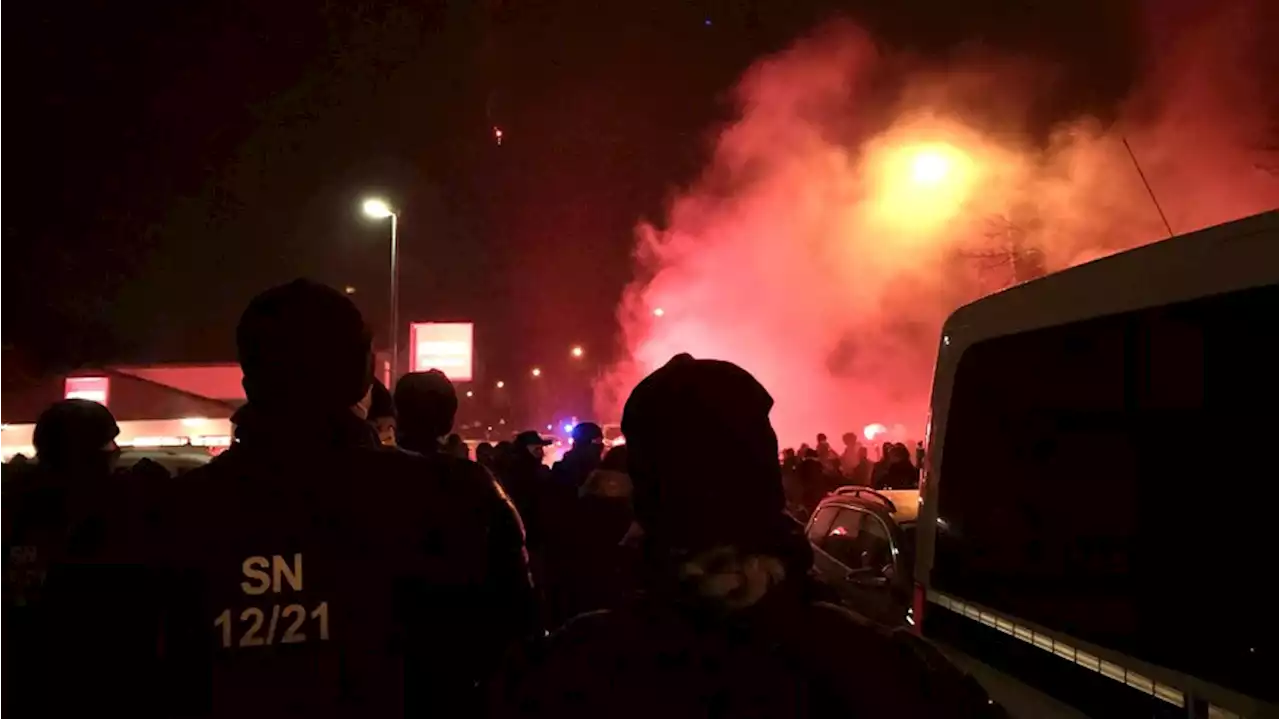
[{"x": 1231, "y": 256}]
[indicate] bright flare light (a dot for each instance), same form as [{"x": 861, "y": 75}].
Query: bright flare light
[
  {"x": 872, "y": 431},
  {"x": 377, "y": 209},
  {"x": 500, "y": 384},
  {"x": 658, "y": 312},
  {"x": 576, "y": 352},
  {"x": 919, "y": 187},
  {"x": 536, "y": 372},
  {"x": 929, "y": 168}
]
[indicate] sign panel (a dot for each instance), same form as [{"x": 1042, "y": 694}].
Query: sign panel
[
  {"x": 446, "y": 346},
  {"x": 94, "y": 389}
]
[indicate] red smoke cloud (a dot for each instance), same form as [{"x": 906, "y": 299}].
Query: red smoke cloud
[{"x": 857, "y": 200}]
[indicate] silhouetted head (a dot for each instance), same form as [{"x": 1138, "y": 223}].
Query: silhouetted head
[
  {"x": 76, "y": 435},
  {"x": 588, "y": 438},
  {"x": 305, "y": 351},
  {"x": 680, "y": 489},
  {"x": 531, "y": 443},
  {"x": 484, "y": 453},
  {"x": 427, "y": 404},
  {"x": 615, "y": 459}
]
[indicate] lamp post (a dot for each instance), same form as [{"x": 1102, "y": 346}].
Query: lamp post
[{"x": 377, "y": 209}]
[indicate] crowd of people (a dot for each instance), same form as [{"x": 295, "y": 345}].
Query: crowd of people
[
  {"x": 313, "y": 569},
  {"x": 811, "y": 473}
]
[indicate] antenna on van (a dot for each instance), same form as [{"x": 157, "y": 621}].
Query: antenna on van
[{"x": 1146, "y": 184}]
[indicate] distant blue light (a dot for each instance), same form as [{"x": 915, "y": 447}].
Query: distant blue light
[
  {"x": 707, "y": 22},
  {"x": 568, "y": 428}
]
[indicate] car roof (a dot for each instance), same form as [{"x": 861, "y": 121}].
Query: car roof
[{"x": 906, "y": 502}]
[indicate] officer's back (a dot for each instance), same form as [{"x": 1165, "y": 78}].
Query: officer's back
[{"x": 306, "y": 571}]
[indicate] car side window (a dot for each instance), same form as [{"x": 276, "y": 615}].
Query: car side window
[
  {"x": 858, "y": 540},
  {"x": 820, "y": 523},
  {"x": 841, "y": 538},
  {"x": 876, "y": 543}
]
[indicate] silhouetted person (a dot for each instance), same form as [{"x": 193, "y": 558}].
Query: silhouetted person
[
  {"x": 455, "y": 447},
  {"x": 427, "y": 404},
  {"x": 862, "y": 469},
  {"x": 382, "y": 413},
  {"x": 591, "y": 568},
  {"x": 730, "y": 623},
  {"x": 308, "y": 571},
  {"x": 64, "y": 517},
  {"x": 485, "y": 455},
  {"x": 825, "y": 453},
  {"x": 897, "y": 472},
  {"x": 582, "y": 458},
  {"x": 528, "y": 482},
  {"x": 849, "y": 457}
]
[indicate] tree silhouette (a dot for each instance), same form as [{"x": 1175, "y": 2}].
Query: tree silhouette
[{"x": 1006, "y": 252}]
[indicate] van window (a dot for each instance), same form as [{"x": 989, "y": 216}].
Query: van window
[{"x": 1112, "y": 479}]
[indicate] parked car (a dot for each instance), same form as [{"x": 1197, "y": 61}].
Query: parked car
[{"x": 864, "y": 547}]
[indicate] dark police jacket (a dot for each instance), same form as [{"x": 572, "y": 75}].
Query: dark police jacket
[{"x": 305, "y": 573}]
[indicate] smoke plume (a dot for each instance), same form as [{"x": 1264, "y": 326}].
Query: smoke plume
[{"x": 859, "y": 197}]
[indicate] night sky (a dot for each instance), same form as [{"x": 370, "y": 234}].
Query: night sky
[{"x": 169, "y": 160}]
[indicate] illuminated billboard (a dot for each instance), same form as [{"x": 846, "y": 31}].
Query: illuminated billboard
[
  {"x": 445, "y": 346},
  {"x": 94, "y": 389}
]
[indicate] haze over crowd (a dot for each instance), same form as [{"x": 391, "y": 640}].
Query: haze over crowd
[{"x": 861, "y": 194}]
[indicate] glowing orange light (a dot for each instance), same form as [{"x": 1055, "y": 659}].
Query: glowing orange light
[
  {"x": 921, "y": 186},
  {"x": 929, "y": 168}
]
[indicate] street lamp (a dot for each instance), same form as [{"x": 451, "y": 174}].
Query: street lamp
[
  {"x": 378, "y": 209},
  {"x": 536, "y": 372},
  {"x": 576, "y": 352}
]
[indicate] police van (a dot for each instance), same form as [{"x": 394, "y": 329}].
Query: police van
[{"x": 1097, "y": 535}]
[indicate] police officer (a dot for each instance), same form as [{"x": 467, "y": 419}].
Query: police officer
[
  {"x": 63, "y": 519},
  {"x": 309, "y": 571}
]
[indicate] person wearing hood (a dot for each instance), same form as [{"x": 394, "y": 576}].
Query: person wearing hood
[
  {"x": 731, "y": 622},
  {"x": 308, "y": 570}
]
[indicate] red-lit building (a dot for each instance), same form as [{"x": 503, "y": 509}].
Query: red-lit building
[{"x": 157, "y": 405}]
